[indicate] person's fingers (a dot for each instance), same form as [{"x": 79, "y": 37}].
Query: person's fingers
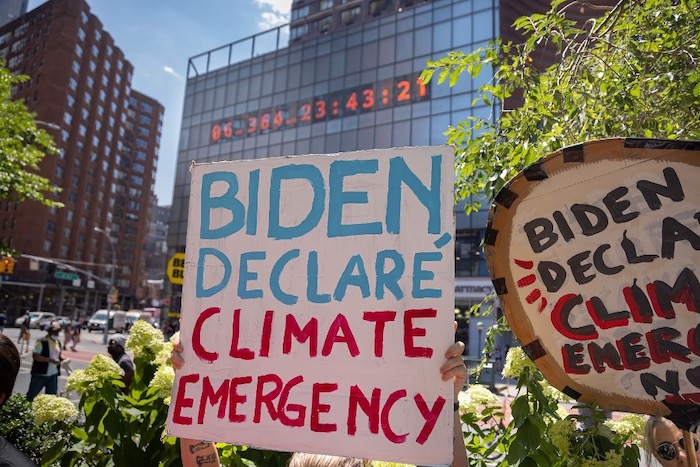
[
  {"x": 176, "y": 360},
  {"x": 455, "y": 325},
  {"x": 177, "y": 345},
  {"x": 455, "y": 349},
  {"x": 453, "y": 367}
]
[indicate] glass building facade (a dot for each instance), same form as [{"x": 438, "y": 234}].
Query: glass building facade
[{"x": 351, "y": 89}]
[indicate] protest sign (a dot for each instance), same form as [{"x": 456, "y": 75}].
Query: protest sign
[
  {"x": 318, "y": 304},
  {"x": 594, "y": 252}
]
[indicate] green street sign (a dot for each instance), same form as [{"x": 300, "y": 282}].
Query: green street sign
[{"x": 71, "y": 276}]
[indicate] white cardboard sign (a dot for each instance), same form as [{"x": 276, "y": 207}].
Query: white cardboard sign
[
  {"x": 594, "y": 252},
  {"x": 318, "y": 304}
]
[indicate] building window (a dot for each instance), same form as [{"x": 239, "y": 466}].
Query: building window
[
  {"x": 350, "y": 15},
  {"x": 90, "y": 82},
  {"x": 82, "y": 130},
  {"x": 298, "y": 31},
  {"x": 324, "y": 24},
  {"x": 141, "y": 143},
  {"x": 58, "y": 171},
  {"x": 73, "y": 84},
  {"x": 47, "y": 246},
  {"x": 300, "y": 13},
  {"x": 71, "y": 100},
  {"x": 50, "y": 226},
  {"x": 78, "y": 50},
  {"x": 325, "y": 4},
  {"x": 147, "y": 108},
  {"x": 143, "y": 131},
  {"x": 145, "y": 119},
  {"x": 376, "y": 7},
  {"x": 469, "y": 258},
  {"x": 67, "y": 118}
]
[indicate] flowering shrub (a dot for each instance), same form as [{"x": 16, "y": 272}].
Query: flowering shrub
[
  {"x": 17, "y": 425},
  {"x": 101, "y": 370},
  {"x": 540, "y": 431},
  {"x": 50, "y": 408}
]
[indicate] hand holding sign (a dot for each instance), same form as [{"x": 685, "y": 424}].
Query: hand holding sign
[{"x": 594, "y": 252}]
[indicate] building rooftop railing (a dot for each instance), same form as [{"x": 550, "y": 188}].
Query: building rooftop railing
[{"x": 242, "y": 49}]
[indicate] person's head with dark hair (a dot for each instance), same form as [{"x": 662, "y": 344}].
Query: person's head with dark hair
[{"x": 9, "y": 367}]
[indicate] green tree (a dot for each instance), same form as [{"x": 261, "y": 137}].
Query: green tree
[
  {"x": 22, "y": 148},
  {"x": 631, "y": 73}
]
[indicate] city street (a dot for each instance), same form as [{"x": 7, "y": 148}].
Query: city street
[{"x": 90, "y": 345}]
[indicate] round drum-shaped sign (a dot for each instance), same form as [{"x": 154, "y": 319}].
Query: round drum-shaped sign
[{"x": 594, "y": 252}]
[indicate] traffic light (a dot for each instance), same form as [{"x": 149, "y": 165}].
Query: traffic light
[{"x": 7, "y": 265}]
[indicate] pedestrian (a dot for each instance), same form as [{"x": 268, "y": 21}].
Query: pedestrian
[
  {"x": 117, "y": 349},
  {"x": 10, "y": 362},
  {"x": 24, "y": 324},
  {"x": 46, "y": 363},
  {"x": 24, "y": 334},
  {"x": 67, "y": 334},
  {"x": 3, "y": 318},
  {"x": 76, "y": 327}
]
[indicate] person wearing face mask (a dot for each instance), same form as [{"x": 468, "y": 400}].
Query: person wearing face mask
[
  {"x": 116, "y": 347},
  {"x": 664, "y": 442},
  {"x": 46, "y": 363}
]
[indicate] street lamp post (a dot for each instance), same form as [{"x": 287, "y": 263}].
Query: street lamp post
[
  {"x": 111, "y": 281},
  {"x": 479, "y": 327}
]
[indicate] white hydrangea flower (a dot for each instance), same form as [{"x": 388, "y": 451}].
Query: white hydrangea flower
[
  {"x": 100, "y": 370},
  {"x": 163, "y": 382},
  {"x": 518, "y": 364},
  {"x": 48, "y": 408},
  {"x": 476, "y": 398},
  {"x": 145, "y": 340}
]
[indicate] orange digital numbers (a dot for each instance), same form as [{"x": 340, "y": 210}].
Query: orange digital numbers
[
  {"x": 368, "y": 101},
  {"x": 352, "y": 103},
  {"x": 228, "y": 129},
  {"x": 320, "y": 106},
  {"x": 305, "y": 110},
  {"x": 252, "y": 124},
  {"x": 265, "y": 121},
  {"x": 216, "y": 132},
  {"x": 402, "y": 90},
  {"x": 278, "y": 120}
]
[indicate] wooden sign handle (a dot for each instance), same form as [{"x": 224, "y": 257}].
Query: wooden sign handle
[{"x": 690, "y": 447}]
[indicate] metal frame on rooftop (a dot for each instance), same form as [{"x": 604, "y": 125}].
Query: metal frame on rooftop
[{"x": 242, "y": 49}]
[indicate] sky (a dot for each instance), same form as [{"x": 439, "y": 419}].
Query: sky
[{"x": 159, "y": 36}]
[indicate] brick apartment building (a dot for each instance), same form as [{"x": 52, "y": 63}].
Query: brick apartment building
[{"x": 109, "y": 135}]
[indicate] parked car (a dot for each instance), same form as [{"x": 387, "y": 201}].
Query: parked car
[
  {"x": 45, "y": 322},
  {"x": 34, "y": 318},
  {"x": 133, "y": 315},
  {"x": 99, "y": 319}
]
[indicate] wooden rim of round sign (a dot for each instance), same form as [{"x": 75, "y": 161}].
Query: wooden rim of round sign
[{"x": 563, "y": 280}]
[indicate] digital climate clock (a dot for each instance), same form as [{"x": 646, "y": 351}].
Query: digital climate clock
[{"x": 370, "y": 97}]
